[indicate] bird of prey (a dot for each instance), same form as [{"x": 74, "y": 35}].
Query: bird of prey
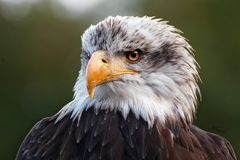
[{"x": 135, "y": 99}]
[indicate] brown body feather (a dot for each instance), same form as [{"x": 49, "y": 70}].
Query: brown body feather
[{"x": 107, "y": 135}]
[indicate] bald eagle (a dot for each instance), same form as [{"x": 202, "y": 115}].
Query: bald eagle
[{"x": 135, "y": 98}]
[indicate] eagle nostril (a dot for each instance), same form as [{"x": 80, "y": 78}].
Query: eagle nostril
[{"x": 104, "y": 61}]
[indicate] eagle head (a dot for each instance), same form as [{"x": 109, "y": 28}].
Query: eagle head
[
  {"x": 136, "y": 64},
  {"x": 135, "y": 98}
]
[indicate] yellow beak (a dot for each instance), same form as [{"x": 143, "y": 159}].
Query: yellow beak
[{"x": 100, "y": 70}]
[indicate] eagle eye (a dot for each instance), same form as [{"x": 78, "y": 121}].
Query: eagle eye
[{"x": 134, "y": 56}]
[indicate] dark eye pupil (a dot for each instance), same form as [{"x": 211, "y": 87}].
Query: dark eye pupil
[{"x": 133, "y": 55}]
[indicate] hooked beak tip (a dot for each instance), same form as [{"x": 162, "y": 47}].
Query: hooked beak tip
[{"x": 91, "y": 92}]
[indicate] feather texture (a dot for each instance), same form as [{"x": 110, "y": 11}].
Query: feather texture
[{"x": 107, "y": 135}]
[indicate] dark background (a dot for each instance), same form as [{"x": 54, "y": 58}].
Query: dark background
[{"x": 40, "y": 58}]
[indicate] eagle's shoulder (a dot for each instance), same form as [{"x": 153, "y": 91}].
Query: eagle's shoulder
[
  {"x": 95, "y": 135},
  {"x": 214, "y": 145},
  {"x": 190, "y": 142},
  {"x": 43, "y": 140}
]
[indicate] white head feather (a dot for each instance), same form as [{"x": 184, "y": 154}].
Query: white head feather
[{"x": 166, "y": 86}]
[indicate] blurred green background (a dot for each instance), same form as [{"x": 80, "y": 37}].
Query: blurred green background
[{"x": 40, "y": 58}]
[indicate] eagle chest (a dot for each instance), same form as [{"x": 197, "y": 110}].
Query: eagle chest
[
  {"x": 107, "y": 135},
  {"x": 96, "y": 135}
]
